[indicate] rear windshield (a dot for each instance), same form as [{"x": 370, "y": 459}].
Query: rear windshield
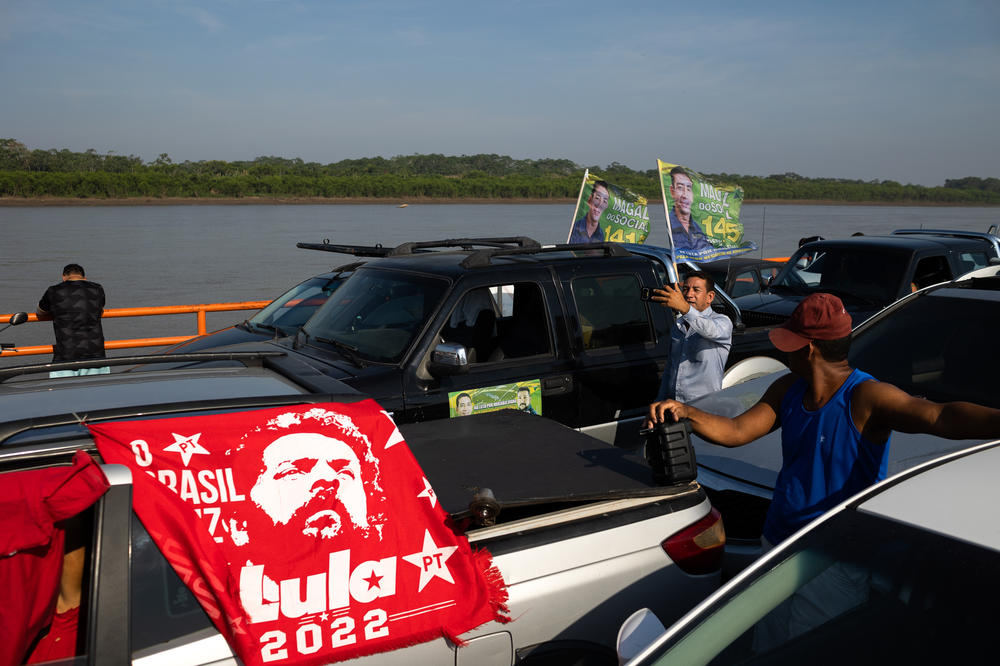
[{"x": 939, "y": 346}]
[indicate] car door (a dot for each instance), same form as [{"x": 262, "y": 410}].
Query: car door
[
  {"x": 511, "y": 329},
  {"x": 620, "y": 342}
]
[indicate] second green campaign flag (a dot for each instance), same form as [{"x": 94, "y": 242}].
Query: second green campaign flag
[{"x": 703, "y": 217}]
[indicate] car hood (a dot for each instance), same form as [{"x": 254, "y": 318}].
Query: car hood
[
  {"x": 233, "y": 335},
  {"x": 782, "y": 304},
  {"x": 754, "y": 467}
]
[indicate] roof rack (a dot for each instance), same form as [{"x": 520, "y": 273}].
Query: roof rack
[
  {"x": 249, "y": 359},
  {"x": 987, "y": 236},
  {"x": 415, "y": 247},
  {"x": 482, "y": 258}
]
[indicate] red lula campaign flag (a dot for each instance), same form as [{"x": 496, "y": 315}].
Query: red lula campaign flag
[{"x": 308, "y": 533}]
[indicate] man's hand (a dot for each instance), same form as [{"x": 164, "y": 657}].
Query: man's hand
[
  {"x": 658, "y": 412},
  {"x": 671, "y": 298}
]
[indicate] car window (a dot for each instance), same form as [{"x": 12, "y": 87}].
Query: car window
[
  {"x": 938, "y": 346},
  {"x": 893, "y": 592},
  {"x": 290, "y": 310},
  {"x": 163, "y": 608},
  {"x": 611, "y": 313},
  {"x": 377, "y": 314},
  {"x": 971, "y": 261},
  {"x": 499, "y": 322},
  {"x": 745, "y": 283}
]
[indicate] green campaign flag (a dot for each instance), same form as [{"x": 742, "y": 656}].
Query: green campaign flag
[
  {"x": 703, "y": 217},
  {"x": 608, "y": 213}
]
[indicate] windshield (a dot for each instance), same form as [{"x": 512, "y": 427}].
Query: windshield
[
  {"x": 862, "y": 275},
  {"x": 376, "y": 314},
  {"x": 858, "y": 589},
  {"x": 289, "y": 311}
]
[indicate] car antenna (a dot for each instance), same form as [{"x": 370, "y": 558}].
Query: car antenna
[{"x": 763, "y": 223}]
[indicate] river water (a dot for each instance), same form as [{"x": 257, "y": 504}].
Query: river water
[{"x": 178, "y": 255}]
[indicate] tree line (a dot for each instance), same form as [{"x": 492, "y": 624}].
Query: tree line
[{"x": 64, "y": 173}]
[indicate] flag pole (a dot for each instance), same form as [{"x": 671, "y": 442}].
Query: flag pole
[
  {"x": 666, "y": 215},
  {"x": 586, "y": 172}
]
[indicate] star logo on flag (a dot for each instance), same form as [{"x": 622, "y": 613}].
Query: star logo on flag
[
  {"x": 431, "y": 561},
  {"x": 428, "y": 492},
  {"x": 186, "y": 446}
]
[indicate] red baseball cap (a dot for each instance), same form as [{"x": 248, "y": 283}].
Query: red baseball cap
[{"x": 818, "y": 317}]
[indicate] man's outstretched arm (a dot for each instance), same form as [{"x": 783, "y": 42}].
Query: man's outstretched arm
[{"x": 890, "y": 408}]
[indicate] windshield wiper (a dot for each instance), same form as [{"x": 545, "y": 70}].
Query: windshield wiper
[
  {"x": 352, "y": 352},
  {"x": 278, "y": 332}
]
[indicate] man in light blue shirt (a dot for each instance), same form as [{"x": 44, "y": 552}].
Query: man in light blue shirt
[{"x": 699, "y": 340}]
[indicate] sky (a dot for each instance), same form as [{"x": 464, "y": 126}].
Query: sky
[{"x": 902, "y": 90}]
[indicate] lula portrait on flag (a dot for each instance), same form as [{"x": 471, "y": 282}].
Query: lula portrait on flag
[
  {"x": 608, "y": 213},
  {"x": 308, "y": 534},
  {"x": 703, "y": 217}
]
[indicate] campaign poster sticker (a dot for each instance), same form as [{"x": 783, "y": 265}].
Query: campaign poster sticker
[{"x": 525, "y": 396}]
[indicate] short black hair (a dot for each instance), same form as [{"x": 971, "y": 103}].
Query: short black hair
[
  {"x": 462, "y": 395},
  {"x": 709, "y": 282},
  {"x": 525, "y": 389},
  {"x": 834, "y": 351},
  {"x": 678, "y": 170},
  {"x": 74, "y": 269},
  {"x": 601, "y": 183}
]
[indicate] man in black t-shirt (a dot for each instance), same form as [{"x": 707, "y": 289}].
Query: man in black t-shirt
[{"x": 75, "y": 306}]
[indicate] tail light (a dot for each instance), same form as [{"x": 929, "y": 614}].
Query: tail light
[{"x": 698, "y": 549}]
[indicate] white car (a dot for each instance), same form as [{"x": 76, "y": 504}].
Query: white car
[
  {"x": 902, "y": 573},
  {"x": 583, "y": 536}
]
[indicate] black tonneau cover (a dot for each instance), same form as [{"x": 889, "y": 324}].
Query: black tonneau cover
[{"x": 524, "y": 459}]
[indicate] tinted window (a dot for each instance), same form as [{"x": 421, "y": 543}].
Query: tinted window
[
  {"x": 162, "y": 607},
  {"x": 885, "y": 593},
  {"x": 611, "y": 313},
  {"x": 290, "y": 310},
  {"x": 858, "y": 276},
  {"x": 377, "y": 313},
  {"x": 939, "y": 346},
  {"x": 745, "y": 283}
]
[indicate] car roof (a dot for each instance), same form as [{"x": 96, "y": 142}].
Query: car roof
[
  {"x": 955, "y": 496},
  {"x": 737, "y": 263},
  {"x": 453, "y": 263},
  {"x": 169, "y": 384}
]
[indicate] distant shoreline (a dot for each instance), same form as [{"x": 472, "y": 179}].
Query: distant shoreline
[{"x": 397, "y": 202}]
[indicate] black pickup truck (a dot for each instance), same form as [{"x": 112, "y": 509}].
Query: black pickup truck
[{"x": 559, "y": 330}]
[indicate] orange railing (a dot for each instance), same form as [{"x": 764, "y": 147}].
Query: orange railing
[{"x": 199, "y": 310}]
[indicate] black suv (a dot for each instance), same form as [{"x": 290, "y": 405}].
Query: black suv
[
  {"x": 869, "y": 272},
  {"x": 418, "y": 324}
]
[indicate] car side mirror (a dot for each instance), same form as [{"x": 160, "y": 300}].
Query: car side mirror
[
  {"x": 449, "y": 358},
  {"x": 18, "y": 318}
]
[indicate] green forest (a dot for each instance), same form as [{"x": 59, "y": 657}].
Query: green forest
[{"x": 35, "y": 174}]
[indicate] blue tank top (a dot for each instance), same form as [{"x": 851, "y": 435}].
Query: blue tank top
[{"x": 825, "y": 460}]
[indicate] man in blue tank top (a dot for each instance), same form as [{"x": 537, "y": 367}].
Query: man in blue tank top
[{"x": 835, "y": 421}]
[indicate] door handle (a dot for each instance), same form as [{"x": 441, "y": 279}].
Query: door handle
[{"x": 557, "y": 385}]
